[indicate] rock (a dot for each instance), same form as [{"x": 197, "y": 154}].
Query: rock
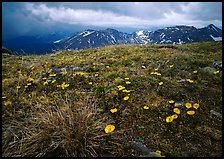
[
  {"x": 217, "y": 64},
  {"x": 182, "y": 80},
  {"x": 210, "y": 70},
  {"x": 57, "y": 69},
  {"x": 177, "y": 104},
  {"x": 216, "y": 114},
  {"x": 143, "y": 67},
  {"x": 143, "y": 151}
]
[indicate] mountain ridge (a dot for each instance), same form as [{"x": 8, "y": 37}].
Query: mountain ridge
[{"x": 90, "y": 38}]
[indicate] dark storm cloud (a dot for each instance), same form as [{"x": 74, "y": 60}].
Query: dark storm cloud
[{"x": 39, "y": 17}]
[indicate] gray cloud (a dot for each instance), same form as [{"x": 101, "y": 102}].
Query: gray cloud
[{"x": 25, "y": 17}]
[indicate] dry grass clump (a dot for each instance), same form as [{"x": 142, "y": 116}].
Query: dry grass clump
[{"x": 60, "y": 132}]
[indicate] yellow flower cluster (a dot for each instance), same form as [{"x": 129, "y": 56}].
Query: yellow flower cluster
[
  {"x": 189, "y": 105},
  {"x": 63, "y": 85},
  {"x": 155, "y": 73}
]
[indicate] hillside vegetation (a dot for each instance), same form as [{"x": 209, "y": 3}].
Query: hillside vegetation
[{"x": 94, "y": 102}]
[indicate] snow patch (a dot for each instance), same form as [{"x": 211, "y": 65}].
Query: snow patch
[
  {"x": 139, "y": 33},
  {"x": 113, "y": 38},
  {"x": 216, "y": 38},
  {"x": 57, "y": 41},
  {"x": 86, "y": 33},
  {"x": 162, "y": 35}
]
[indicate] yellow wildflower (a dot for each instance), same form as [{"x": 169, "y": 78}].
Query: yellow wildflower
[
  {"x": 126, "y": 78},
  {"x": 146, "y": 107},
  {"x": 52, "y": 75},
  {"x": 126, "y": 91},
  {"x": 188, "y": 105},
  {"x": 191, "y": 112},
  {"x": 80, "y": 73},
  {"x": 169, "y": 119},
  {"x": 44, "y": 78},
  {"x": 190, "y": 81},
  {"x": 3, "y": 97},
  {"x": 158, "y": 74},
  {"x": 46, "y": 63},
  {"x": 28, "y": 84},
  {"x": 156, "y": 69},
  {"x": 30, "y": 79},
  {"x": 160, "y": 83},
  {"x": 215, "y": 72},
  {"x": 196, "y": 105},
  {"x": 171, "y": 101},
  {"x": 128, "y": 82},
  {"x": 107, "y": 66},
  {"x": 109, "y": 128},
  {"x": 120, "y": 87},
  {"x": 171, "y": 66},
  {"x": 174, "y": 116},
  {"x": 53, "y": 81},
  {"x": 113, "y": 110},
  {"x": 94, "y": 66},
  {"x": 25, "y": 86},
  {"x": 96, "y": 74},
  {"x": 176, "y": 110},
  {"x": 45, "y": 83},
  {"x": 126, "y": 98},
  {"x": 195, "y": 71},
  {"x": 18, "y": 87},
  {"x": 90, "y": 83},
  {"x": 63, "y": 86},
  {"x": 7, "y": 103}
]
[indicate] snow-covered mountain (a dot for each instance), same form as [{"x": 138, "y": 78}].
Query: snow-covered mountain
[
  {"x": 170, "y": 35},
  {"x": 93, "y": 38},
  {"x": 181, "y": 34}
]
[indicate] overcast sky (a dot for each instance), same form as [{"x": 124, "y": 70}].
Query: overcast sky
[{"x": 29, "y": 18}]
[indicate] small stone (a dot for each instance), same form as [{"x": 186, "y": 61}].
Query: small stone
[
  {"x": 177, "y": 104},
  {"x": 143, "y": 67},
  {"x": 216, "y": 114},
  {"x": 182, "y": 80},
  {"x": 210, "y": 70}
]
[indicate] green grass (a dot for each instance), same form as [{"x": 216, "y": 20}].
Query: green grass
[{"x": 46, "y": 120}]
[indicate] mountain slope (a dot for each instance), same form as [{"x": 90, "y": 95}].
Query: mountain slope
[
  {"x": 168, "y": 35},
  {"x": 94, "y": 102}
]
